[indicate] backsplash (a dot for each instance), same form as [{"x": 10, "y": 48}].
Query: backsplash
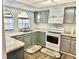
[
  {"x": 69, "y": 28},
  {"x": 42, "y": 26}
]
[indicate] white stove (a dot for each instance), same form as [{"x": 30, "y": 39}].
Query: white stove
[
  {"x": 53, "y": 38},
  {"x": 53, "y": 42}
]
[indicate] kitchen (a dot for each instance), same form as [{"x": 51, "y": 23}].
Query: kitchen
[{"x": 40, "y": 29}]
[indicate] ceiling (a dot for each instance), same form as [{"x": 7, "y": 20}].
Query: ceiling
[{"x": 44, "y": 3}]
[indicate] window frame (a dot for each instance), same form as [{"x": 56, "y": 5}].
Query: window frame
[
  {"x": 8, "y": 29},
  {"x": 23, "y": 18}
]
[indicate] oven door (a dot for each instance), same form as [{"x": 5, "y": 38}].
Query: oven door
[
  {"x": 52, "y": 39},
  {"x": 53, "y": 42}
]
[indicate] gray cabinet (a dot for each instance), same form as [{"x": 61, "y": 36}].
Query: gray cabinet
[
  {"x": 30, "y": 39},
  {"x": 69, "y": 17},
  {"x": 44, "y": 16},
  {"x": 16, "y": 54},
  {"x": 41, "y": 38},
  {"x": 27, "y": 40},
  {"x": 65, "y": 45},
  {"x": 73, "y": 47},
  {"x": 36, "y": 17},
  {"x": 34, "y": 38},
  {"x": 56, "y": 12},
  {"x": 19, "y": 37},
  {"x": 68, "y": 44},
  {"x": 56, "y": 15},
  {"x": 41, "y": 16}
]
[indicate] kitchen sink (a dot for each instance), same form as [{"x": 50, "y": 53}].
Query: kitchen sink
[{"x": 27, "y": 31}]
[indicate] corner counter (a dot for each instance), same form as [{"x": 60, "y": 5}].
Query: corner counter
[{"x": 13, "y": 44}]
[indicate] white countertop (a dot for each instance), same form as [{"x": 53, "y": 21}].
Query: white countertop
[
  {"x": 13, "y": 44},
  {"x": 72, "y": 35},
  {"x": 20, "y": 33}
]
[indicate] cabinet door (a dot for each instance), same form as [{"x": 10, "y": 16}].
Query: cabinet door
[
  {"x": 44, "y": 16},
  {"x": 41, "y": 38},
  {"x": 27, "y": 40},
  {"x": 65, "y": 45},
  {"x": 41, "y": 16},
  {"x": 16, "y": 54},
  {"x": 34, "y": 38},
  {"x": 37, "y": 17},
  {"x": 73, "y": 47},
  {"x": 69, "y": 15}
]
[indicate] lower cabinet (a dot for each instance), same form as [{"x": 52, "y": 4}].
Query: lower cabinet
[
  {"x": 73, "y": 47},
  {"x": 65, "y": 45},
  {"x": 34, "y": 38},
  {"x": 41, "y": 38},
  {"x": 68, "y": 45},
  {"x": 16, "y": 54},
  {"x": 27, "y": 40}
]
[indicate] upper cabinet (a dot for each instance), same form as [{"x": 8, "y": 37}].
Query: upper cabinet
[
  {"x": 41, "y": 16},
  {"x": 36, "y": 17},
  {"x": 62, "y": 15},
  {"x": 70, "y": 15},
  {"x": 56, "y": 15}
]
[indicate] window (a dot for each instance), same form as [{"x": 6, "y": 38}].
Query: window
[
  {"x": 24, "y": 23},
  {"x": 69, "y": 15},
  {"x": 8, "y": 21}
]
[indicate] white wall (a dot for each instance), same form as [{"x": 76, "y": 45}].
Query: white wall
[{"x": 16, "y": 8}]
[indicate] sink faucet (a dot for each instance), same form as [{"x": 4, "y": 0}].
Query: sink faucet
[{"x": 27, "y": 26}]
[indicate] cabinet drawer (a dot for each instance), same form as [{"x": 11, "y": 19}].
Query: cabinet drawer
[
  {"x": 73, "y": 38},
  {"x": 65, "y": 37}
]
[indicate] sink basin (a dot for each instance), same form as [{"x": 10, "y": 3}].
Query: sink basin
[{"x": 27, "y": 31}]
